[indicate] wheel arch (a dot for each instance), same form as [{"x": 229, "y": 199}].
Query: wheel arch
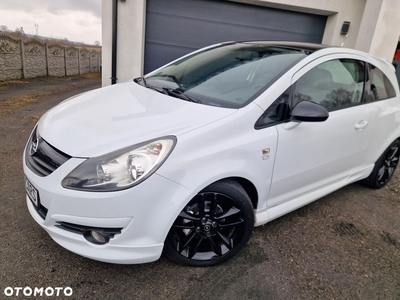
[
  {"x": 248, "y": 186},
  {"x": 381, "y": 173},
  {"x": 212, "y": 226},
  {"x": 388, "y": 141}
]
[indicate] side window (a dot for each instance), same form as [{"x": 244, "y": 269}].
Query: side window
[
  {"x": 334, "y": 84},
  {"x": 277, "y": 112},
  {"x": 381, "y": 87}
]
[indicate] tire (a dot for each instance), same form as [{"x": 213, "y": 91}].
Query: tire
[
  {"x": 384, "y": 167},
  {"x": 213, "y": 227}
]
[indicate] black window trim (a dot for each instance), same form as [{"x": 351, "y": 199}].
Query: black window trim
[{"x": 258, "y": 127}]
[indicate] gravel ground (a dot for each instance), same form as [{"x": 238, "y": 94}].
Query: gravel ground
[{"x": 344, "y": 246}]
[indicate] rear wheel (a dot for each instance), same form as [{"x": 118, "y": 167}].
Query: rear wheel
[
  {"x": 384, "y": 167},
  {"x": 213, "y": 227}
]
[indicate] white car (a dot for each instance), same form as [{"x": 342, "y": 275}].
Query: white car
[{"x": 188, "y": 159}]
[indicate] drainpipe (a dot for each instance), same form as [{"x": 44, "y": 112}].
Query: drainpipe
[{"x": 114, "y": 42}]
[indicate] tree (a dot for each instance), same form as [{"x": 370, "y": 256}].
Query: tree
[
  {"x": 97, "y": 43},
  {"x": 19, "y": 33},
  {"x": 4, "y": 28},
  {"x": 20, "y": 30}
]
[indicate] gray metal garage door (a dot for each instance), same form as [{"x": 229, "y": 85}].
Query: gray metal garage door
[{"x": 177, "y": 27}]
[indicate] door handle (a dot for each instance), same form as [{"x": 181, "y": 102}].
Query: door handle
[{"x": 361, "y": 125}]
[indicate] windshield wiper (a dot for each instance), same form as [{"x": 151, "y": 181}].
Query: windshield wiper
[
  {"x": 165, "y": 90},
  {"x": 142, "y": 81},
  {"x": 179, "y": 94}
]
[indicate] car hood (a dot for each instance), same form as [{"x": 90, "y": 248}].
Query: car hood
[{"x": 118, "y": 116}]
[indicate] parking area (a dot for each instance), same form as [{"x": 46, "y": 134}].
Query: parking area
[{"x": 344, "y": 246}]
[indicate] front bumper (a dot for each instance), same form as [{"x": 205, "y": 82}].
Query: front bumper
[{"x": 144, "y": 213}]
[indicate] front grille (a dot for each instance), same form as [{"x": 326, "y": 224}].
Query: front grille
[{"x": 42, "y": 158}]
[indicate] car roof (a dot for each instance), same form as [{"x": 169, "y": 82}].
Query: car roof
[{"x": 293, "y": 45}]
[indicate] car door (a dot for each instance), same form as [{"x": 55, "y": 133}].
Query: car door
[{"x": 314, "y": 155}]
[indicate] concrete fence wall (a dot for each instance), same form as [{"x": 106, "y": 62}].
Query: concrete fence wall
[{"x": 33, "y": 58}]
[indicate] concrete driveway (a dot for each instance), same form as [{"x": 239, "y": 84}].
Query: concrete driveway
[{"x": 344, "y": 246}]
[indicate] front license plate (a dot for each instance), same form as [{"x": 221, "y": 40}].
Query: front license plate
[{"x": 32, "y": 193}]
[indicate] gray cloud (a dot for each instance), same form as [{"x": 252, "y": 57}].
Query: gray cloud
[{"x": 54, "y": 6}]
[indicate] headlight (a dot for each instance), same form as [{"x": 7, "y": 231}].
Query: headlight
[{"x": 120, "y": 169}]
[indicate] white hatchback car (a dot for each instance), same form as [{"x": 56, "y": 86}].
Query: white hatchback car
[{"x": 189, "y": 158}]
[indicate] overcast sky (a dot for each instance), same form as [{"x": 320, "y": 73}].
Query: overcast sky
[{"x": 76, "y": 20}]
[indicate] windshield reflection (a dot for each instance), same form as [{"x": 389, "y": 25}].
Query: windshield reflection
[{"x": 228, "y": 76}]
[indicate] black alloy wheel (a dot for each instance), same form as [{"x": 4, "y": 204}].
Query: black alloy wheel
[
  {"x": 213, "y": 227},
  {"x": 384, "y": 167}
]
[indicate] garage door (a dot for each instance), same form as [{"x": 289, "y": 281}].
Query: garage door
[{"x": 177, "y": 27}]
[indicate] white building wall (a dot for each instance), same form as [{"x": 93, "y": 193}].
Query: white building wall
[
  {"x": 380, "y": 28},
  {"x": 375, "y": 28},
  {"x": 130, "y": 39},
  {"x": 106, "y": 7}
]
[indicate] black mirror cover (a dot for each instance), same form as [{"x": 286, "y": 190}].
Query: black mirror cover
[{"x": 306, "y": 111}]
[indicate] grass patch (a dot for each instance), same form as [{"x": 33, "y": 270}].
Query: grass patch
[
  {"x": 13, "y": 82},
  {"x": 16, "y": 102}
]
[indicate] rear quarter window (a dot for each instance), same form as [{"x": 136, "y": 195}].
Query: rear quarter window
[{"x": 381, "y": 87}]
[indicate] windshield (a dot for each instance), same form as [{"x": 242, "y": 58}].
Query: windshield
[{"x": 230, "y": 75}]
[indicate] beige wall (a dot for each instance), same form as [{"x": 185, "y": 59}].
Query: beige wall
[{"x": 375, "y": 28}]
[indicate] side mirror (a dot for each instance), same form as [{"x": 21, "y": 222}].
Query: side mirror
[{"x": 306, "y": 111}]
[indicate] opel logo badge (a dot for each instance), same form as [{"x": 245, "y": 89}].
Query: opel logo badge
[
  {"x": 207, "y": 227},
  {"x": 34, "y": 146}
]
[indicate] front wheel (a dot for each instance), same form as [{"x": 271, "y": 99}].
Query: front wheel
[
  {"x": 213, "y": 227},
  {"x": 384, "y": 167}
]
